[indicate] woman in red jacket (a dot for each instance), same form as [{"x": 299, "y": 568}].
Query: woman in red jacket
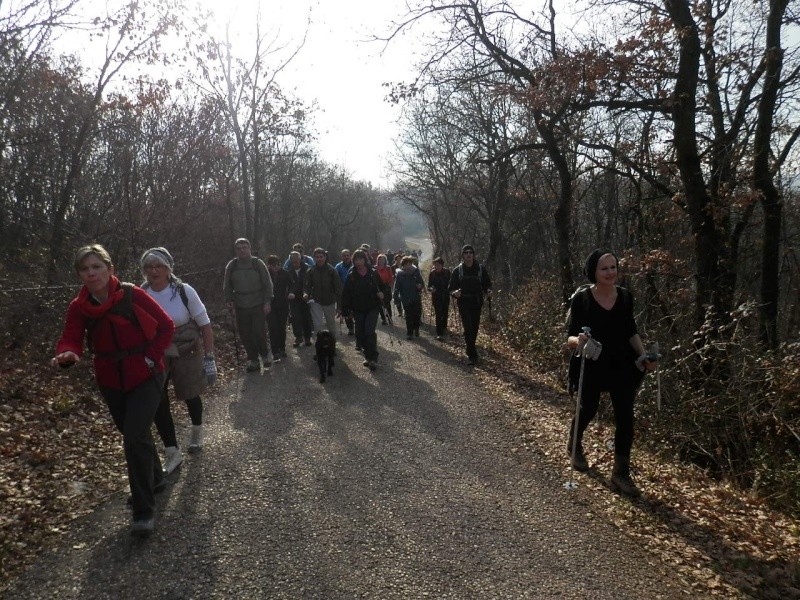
[
  {"x": 386, "y": 273},
  {"x": 128, "y": 333}
]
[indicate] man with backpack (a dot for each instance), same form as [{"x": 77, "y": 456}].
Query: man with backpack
[
  {"x": 469, "y": 284},
  {"x": 248, "y": 291},
  {"x": 323, "y": 292}
]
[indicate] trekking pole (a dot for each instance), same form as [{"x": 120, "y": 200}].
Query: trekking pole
[
  {"x": 654, "y": 351},
  {"x": 571, "y": 484},
  {"x": 391, "y": 331},
  {"x": 235, "y": 337}
]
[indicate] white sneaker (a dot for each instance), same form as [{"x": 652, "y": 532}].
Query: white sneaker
[
  {"x": 174, "y": 458},
  {"x": 196, "y": 439}
]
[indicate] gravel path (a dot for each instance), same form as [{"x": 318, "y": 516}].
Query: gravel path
[{"x": 394, "y": 484}]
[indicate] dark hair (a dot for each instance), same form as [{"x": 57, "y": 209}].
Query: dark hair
[
  {"x": 360, "y": 254},
  {"x": 439, "y": 259},
  {"x": 320, "y": 251},
  {"x": 590, "y": 266},
  {"x": 272, "y": 260},
  {"x": 407, "y": 260}
]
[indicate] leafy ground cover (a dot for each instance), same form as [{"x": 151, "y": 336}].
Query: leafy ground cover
[{"x": 61, "y": 458}]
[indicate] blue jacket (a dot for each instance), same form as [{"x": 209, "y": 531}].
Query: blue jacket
[
  {"x": 405, "y": 286},
  {"x": 343, "y": 270}
]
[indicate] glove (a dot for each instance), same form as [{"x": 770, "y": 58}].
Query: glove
[
  {"x": 592, "y": 349},
  {"x": 648, "y": 357},
  {"x": 210, "y": 369}
]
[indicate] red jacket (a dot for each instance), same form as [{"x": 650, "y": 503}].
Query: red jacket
[
  {"x": 120, "y": 345},
  {"x": 386, "y": 274}
]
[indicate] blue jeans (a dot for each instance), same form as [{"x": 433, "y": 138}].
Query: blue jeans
[{"x": 366, "y": 322}]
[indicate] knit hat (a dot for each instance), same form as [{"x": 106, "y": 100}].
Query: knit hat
[
  {"x": 466, "y": 248},
  {"x": 590, "y": 267},
  {"x": 160, "y": 254}
]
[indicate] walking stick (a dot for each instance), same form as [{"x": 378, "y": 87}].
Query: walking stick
[
  {"x": 571, "y": 484},
  {"x": 654, "y": 352},
  {"x": 391, "y": 330},
  {"x": 235, "y": 336}
]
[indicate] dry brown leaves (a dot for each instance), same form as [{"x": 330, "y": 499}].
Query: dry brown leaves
[{"x": 722, "y": 540}]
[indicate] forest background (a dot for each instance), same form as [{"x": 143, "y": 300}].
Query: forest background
[{"x": 665, "y": 130}]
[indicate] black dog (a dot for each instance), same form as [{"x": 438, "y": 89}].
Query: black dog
[{"x": 326, "y": 348}]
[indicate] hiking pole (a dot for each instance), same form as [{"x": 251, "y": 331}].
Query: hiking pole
[
  {"x": 391, "y": 330},
  {"x": 654, "y": 352},
  {"x": 571, "y": 484},
  {"x": 235, "y": 336}
]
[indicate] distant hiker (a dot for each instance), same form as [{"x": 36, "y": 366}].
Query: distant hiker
[
  {"x": 298, "y": 247},
  {"x": 189, "y": 359},
  {"x": 607, "y": 310},
  {"x": 386, "y": 273},
  {"x": 398, "y": 258},
  {"x": 343, "y": 269},
  {"x": 363, "y": 295},
  {"x": 279, "y": 313},
  {"x": 438, "y": 284},
  {"x": 408, "y": 287},
  {"x": 128, "y": 333},
  {"x": 469, "y": 285},
  {"x": 248, "y": 290},
  {"x": 323, "y": 291},
  {"x": 298, "y": 305}
]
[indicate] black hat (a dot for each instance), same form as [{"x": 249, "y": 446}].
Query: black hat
[
  {"x": 590, "y": 266},
  {"x": 466, "y": 248}
]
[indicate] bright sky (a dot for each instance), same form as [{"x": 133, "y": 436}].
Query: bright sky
[{"x": 339, "y": 68}]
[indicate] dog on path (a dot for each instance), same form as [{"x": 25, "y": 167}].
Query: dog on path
[{"x": 325, "y": 346}]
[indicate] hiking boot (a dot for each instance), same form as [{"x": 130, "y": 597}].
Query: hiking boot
[
  {"x": 579, "y": 463},
  {"x": 372, "y": 365},
  {"x": 416, "y": 333},
  {"x": 297, "y": 342},
  {"x": 143, "y": 526},
  {"x": 351, "y": 332},
  {"x": 173, "y": 459},
  {"x": 266, "y": 361},
  {"x": 621, "y": 477},
  {"x": 308, "y": 342},
  {"x": 409, "y": 337},
  {"x": 253, "y": 366},
  {"x": 196, "y": 439},
  {"x": 439, "y": 338}
]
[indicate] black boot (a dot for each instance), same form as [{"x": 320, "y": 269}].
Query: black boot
[
  {"x": 621, "y": 477},
  {"x": 579, "y": 463}
]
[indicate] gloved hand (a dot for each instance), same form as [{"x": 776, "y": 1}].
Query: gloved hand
[
  {"x": 210, "y": 369},
  {"x": 592, "y": 349},
  {"x": 648, "y": 357}
]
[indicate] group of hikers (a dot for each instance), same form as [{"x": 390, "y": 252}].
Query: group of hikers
[
  {"x": 316, "y": 295},
  {"x": 144, "y": 337}
]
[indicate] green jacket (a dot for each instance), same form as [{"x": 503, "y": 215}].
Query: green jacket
[
  {"x": 247, "y": 283},
  {"x": 324, "y": 285}
]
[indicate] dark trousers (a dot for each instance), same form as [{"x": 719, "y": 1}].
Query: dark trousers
[
  {"x": 348, "y": 320},
  {"x": 413, "y": 312},
  {"x": 165, "y": 425},
  {"x": 622, "y": 395},
  {"x": 301, "y": 320},
  {"x": 366, "y": 338},
  {"x": 133, "y": 413},
  {"x": 441, "y": 306},
  {"x": 470, "y": 322},
  {"x": 276, "y": 321},
  {"x": 252, "y": 324}
]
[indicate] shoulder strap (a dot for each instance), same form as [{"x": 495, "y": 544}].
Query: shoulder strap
[{"x": 184, "y": 297}]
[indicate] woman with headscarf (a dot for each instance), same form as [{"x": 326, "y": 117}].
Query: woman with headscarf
[
  {"x": 128, "y": 333},
  {"x": 190, "y": 363},
  {"x": 607, "y": 310}
]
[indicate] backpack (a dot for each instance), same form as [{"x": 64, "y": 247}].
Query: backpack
[{"x": 574, "y": 366}]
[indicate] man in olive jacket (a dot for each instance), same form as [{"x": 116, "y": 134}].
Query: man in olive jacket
[
  {"x": 323, "y": 291},
  {"x": 248, "y": 290}
]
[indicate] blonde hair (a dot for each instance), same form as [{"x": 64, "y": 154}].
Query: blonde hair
[{"x": 92, "y": 249}]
